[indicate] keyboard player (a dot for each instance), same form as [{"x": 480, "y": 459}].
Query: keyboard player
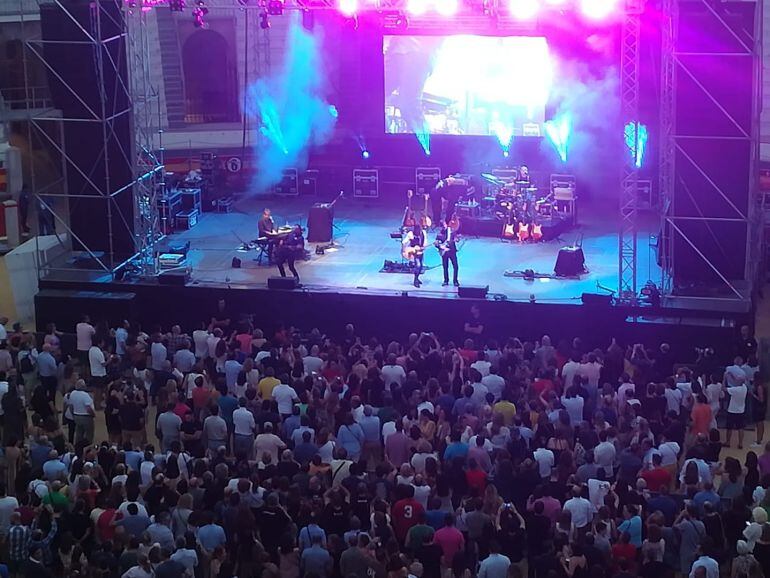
[{"x": 267, "y": 231}]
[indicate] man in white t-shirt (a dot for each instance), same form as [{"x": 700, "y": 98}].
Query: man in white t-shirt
[
  {"x": 482, "y": 365},
  {"x": 392, "y": 373},
  {"x": 494, "y": 383},
  {"x": 243, "y": 428},
  {"x": 84, "y": 333},
  {"x": 285, "y": 396},
  {"x": 98, "y": 365},
  {"x": 121, "y": 336},
  {"x": 569, "y": 371},
  {"x": 735, "y": 381},
  {"x": 545, "y": 461},
  {"x": 200, "y": 339},
  {"x": 83, "y": 412},
  {"x": 3, "y": 330}
]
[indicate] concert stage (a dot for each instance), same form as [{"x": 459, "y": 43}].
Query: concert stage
[{"x": 345, "y": 283}]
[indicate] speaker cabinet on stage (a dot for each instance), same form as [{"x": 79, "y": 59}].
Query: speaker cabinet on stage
[
  {"x": 85, "y": 52},
  {"x": 473, "y": 291},
  {"x": 366, "y": 183},
  {"x": 571, "y": 262},
  {"x": 320, "y": 221},
  {"x": 282, "y": 282},
  {"x": 289, "y": 184},
  {"x": 308, "y": 183}
]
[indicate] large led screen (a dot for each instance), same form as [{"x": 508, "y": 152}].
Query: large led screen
[{"x": 466, "y": 85}]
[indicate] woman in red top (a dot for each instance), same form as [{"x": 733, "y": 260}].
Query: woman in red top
[
  {"x": 476, "y": 478},
  {"x": 624, "y": 550},
  {"x": 700, "y": 416}
]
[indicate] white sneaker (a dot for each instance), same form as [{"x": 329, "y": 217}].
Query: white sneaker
[{"x": 756, "y": 445}]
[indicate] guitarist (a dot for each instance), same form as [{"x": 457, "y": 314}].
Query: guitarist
[
  {"x": 414, "y": 243},
  {"x": 446, "y": 241}
]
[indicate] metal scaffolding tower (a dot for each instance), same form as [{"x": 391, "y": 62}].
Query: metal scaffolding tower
[{"x": 136, "y": 100}]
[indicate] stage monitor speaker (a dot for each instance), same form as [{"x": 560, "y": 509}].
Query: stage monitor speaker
[
  {"x": 473, "y": 291},
  {"x": 571, "y": 262},
  {"x": 320, "y": 221},
  {"x": 596, "y": 299},
  {"x": 282, "y": 282},
  {"x": 177, "y": 277},
  {"x": 236, "y": 264}
]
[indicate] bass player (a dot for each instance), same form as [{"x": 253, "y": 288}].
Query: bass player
[{"x": 413, "y": 249}]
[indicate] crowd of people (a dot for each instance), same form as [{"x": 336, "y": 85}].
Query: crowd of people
[{"x": 224, "y": 450}]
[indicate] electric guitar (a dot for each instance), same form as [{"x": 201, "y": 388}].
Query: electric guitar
[
  {"x": 509, "y": 228},
  {"x": 444, "y": 248},
  {"x": 536, "y": 232},
  {"x": 425, "y": 220},
  {"x": 523, "y": 232},
  {"x": 408, "y": 221}
]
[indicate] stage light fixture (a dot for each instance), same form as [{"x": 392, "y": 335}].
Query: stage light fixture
[
  {"x": 264, "y": 20},
  {"x": 598, "y": 9},
  {"x": 275, "y": 7},
  {"x": 365, "y": 154},
  {"x": 447, "y": 7},
  {"x": 556, "y": 2},
  {"x": 417, "y": 7},
  {"x": 199, "y": 14},
  {"x": 176, "y": 5},
  {"x": 524, "y": 9},
  {"x": 348, "y": 7}
]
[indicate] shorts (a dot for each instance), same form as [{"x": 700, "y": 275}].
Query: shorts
[{"x": 736, "y": 421}]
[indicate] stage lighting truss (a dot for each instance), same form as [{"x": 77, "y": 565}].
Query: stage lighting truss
[{"x": 496, "y": 8}]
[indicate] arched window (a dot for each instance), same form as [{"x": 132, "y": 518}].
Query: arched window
[{"x": 211, "y": 90}]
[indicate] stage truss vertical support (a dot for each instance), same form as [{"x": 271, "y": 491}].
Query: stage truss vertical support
[
  {"x": 667, "y": 156},
  {"x": 629, "y": 116},
  {"x": 148, "y": 140}
]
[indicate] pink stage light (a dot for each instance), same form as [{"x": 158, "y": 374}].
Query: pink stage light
[
  {"x": 524, "y": 9},
  {"x": 598, "y": 9},
  {"x": 447, "y": 7},
  {"x": 556, "y": 2},
  {"x": 417, "y": 7},
  {"x": 348, "y": 7}
]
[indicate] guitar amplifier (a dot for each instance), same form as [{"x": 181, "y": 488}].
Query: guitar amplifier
[
  {"x": 308, "y": 183},
  {"x": 571, "y": 262}
]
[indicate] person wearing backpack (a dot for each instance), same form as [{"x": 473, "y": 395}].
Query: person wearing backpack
[{"x": 27, "y": 364}]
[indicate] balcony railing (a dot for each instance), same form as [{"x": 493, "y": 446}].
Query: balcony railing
[{"x": 19, "y": 98}]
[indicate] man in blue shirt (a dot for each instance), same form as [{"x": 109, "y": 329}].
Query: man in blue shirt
[
  {"x": 47, "y": 370},
  {"x": 495, "y": 565},
  {"x": 53, "y": 469},
  {"x": 315, "y": 560},
  {"x": 211, "y": 535},
  {"x": 707, "y": 494}
]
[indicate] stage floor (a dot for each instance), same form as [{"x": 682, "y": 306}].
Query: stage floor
[{"x": 363, "y": 233}]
